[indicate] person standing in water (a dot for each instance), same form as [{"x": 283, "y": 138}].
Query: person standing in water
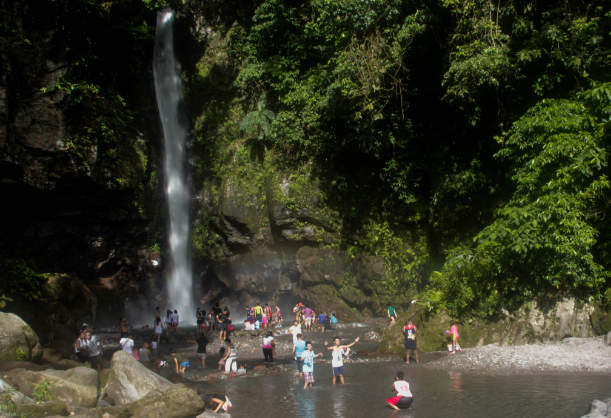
[
  {"x": 278, "y": 317},
  {"x": 307, "y": 357},
  {"x": 411, "y": 345},
  {"x": 158, "y": 330},
  {"x": 338, "y": 362},
  {"x": 51, "y": 327},
  {"x": 123, "y": 323},
  {"x": 168, "y": 321},
  {"x": 200, "y": 320},
  {"x": 454, "y": 332},
  {"x": 157, "y": 315},
  {"x": 175, "y": 321},
  {"x": 404, "y": 397},
  {"x": 307, "y": 312},
  {"x": 392, "y": 313},
  {"x": 298, "y": 349}
]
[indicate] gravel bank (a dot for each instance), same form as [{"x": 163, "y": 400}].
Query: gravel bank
[{"x": 570, "y": 354}]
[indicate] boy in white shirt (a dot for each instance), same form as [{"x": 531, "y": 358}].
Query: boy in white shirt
[
  {"x": 294, "y": 330},
  {"x": 404, "y": 397},
  {"x": 338, "y": 361}
]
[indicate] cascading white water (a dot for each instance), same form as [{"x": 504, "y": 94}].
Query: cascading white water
[{"x": 169, "y": 99}]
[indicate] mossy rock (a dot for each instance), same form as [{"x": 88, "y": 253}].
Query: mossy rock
[{"x": 45, "y": 409}]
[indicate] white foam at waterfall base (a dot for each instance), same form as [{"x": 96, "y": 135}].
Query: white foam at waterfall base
[{"x": 169, "y": 98}]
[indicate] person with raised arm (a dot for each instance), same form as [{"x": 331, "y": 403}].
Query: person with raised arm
[{"x": 338, "y": 362}]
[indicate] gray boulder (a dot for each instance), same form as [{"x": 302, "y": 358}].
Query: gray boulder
[
  {"x": 78, "y": 386},
  {"x": 6, "y": 391},
  {"x": 15, "y": 334},
  {"x": 129, "y": 380},
  {"x": 174, "y": 401},
  {"x": 599, "y": 409}
]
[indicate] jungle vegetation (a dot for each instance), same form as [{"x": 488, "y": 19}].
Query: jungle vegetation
[{"x": 466, "y": 139}]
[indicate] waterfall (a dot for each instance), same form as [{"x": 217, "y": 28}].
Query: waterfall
[{"x": 169, "y": 100}]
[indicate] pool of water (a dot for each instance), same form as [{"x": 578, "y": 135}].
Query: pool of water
[{"x": 436, "y": 393}]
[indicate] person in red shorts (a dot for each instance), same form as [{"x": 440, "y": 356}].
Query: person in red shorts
[{"x": 404, "y": 397}]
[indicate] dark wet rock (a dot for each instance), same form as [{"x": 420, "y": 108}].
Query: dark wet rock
[
  {"x": 175, "y": 377},
  {"x": 212, "y": 414},
  {"x": 45, "y": 409},
  {"x": 129, "y": 380},
  {"x": 78, "y": 386},
  {"x": 262, "y": 369},
  {"x": 50, "y": 355},
  {"x": 17, "y": 337},
  {"x": 174, "y": 401}
]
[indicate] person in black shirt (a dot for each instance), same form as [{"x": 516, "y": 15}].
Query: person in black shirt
[
  {"x": 201, "y": 342},
  {"x": 409, "y": 332},
  {"x": 222, "y": 320}
]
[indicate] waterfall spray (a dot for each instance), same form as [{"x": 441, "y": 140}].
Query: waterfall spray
[{"x": 169, "y": 99}]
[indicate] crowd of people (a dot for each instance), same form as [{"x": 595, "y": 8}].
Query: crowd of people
[{"x": 89, "y": 348}]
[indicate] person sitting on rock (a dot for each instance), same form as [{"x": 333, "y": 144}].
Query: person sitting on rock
[
  {"x": 333, "y": 319},
  {"x": 215, "y": 402},
  {"x": 180, "y": 360}
]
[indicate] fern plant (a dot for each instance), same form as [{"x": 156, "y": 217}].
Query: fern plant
[{"x": 259, "y": 120}]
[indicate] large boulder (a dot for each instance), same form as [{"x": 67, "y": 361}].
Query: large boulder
[
  {"x": 18, "y": 341},
  {"x": 17, "y": 397},
  {"x": 175, "y": 401},
  {"x": 78, "y": 386},
  {"x": 129, "y": 380}
]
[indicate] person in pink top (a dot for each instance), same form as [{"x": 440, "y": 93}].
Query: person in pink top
[
  {"x": 307, "y": 313},
  {"x": 454, "y": 332}
]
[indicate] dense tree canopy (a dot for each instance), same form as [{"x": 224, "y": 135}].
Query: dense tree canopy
[{"x": 465, "y": 141}]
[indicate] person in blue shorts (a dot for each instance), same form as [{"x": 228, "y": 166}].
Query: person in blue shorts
[
  {"x": 338, "y": 362},
  {"x": 180, "y": 360}
]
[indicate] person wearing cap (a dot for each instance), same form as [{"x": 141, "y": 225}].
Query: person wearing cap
[
  {"x": 127, "y": 343},
  {"x": 180, "y": 360}
]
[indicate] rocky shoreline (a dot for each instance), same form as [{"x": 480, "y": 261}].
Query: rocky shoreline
[{"x": 570, "y": 354}]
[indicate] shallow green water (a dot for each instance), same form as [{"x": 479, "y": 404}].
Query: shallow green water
[{"x": 436, "y": 394}]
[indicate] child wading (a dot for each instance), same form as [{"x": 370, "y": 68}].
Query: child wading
[
  {"x": 454, "y": 332},
  {"x": 338, "y": 362},
  {"x": 404, "y": 397},
  {"x": 308, "y": 357},
  {"x": 180, "y": 360}
]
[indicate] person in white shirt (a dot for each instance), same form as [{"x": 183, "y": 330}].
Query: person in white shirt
[
  {"x": 175, "y": 320},
  {"x": 294, "y": 330},
  {"x": 127, "y": 344},
  {"x": 338, "y": 361},
  {"x": 404, "y": 397},
  {"x": 94, "y": 347}
]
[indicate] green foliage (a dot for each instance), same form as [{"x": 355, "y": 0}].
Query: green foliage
[
  {"x": 41, "y": 391},
  {"x": 3, "y": 300},
  {"x": 8, "y": 406},
  {"x": 20, "y": 277},
  {"x": 543, "y": 241},
  {"x": 20, "y": 355},
  {"x": 259, "y": 120}
]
